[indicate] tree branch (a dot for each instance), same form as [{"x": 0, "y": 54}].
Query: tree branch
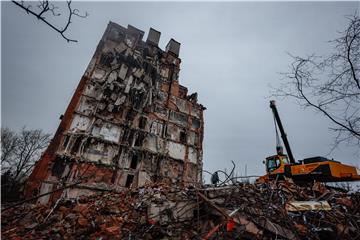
[
  {"x": 44, "y": 6},
  {"x": 318, "y": 107}
]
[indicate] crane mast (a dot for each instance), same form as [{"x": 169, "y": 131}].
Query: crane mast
[{"x": 283, "y": 134}]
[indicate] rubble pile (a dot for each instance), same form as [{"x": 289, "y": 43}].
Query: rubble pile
[{"x": 239, "y": 211}]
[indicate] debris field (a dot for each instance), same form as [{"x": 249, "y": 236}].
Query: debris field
[{"x": 159, "y": 211}]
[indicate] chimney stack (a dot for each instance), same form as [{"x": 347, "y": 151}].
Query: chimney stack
[
  {"x": 153, "y": 37},
  {"x": 173, "y": 47}
]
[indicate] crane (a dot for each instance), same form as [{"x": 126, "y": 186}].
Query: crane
[{"x": 321, "y": 169}]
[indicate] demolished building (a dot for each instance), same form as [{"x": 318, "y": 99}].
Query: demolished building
[{"x": 128, "y": 123}]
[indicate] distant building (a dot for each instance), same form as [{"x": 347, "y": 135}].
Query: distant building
[{"x": 129, "y": 122}]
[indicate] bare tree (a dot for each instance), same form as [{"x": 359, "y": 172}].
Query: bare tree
[
  {"x": 44, "y": 9},
  {"x": 20, "y": 151},
  {"x": 330, "y": 84},
  {"x": 8, "y": 144}
]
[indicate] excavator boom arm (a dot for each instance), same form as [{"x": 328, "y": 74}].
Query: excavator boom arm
[{"x": 283, "y": 134}]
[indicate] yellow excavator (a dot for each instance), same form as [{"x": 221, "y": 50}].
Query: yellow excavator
[{"x": 320, "y": 169}]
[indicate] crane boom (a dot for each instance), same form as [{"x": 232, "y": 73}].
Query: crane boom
[{"x": 283, "y": 134}]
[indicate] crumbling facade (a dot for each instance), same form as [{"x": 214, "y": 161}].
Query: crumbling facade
[{"x": 129, "y": 122}]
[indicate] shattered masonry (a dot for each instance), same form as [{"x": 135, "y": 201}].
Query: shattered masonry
[
  {"x": 277, "y": 210},
  {"x": 129, "y": 122}
]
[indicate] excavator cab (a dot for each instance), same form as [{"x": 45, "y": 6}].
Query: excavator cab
[
  {"x": 275, "y": 162},
  {"x": 275, "y": 166}
]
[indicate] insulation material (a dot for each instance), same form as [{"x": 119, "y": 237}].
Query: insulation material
[
  {"x": 176, "y": 150},
  {"x": 182, "y": 105},
  {"x": 87, "y": 106},
  {"x": 173, "y": 132},
  {"x": 77, "y": 192},
  {"x": 45, "y": 187},
  {"x": 192, "y": 138},
  {"x": 151, "y": 143},
  {"x": 295, "y": 206},
  {"x": 107, "y": 131},
  {"x": 143, "y": 178},
  {"x": 184, "y": 210},
  {"x": 129, "y": 81},
  {"x": 99, "y": 74},
  {"x": 154, "y": 144},
  {"x": 79, "y": 123},
  {"x": 66, "y": 171},
  {"x": 178, "y": 118},
  {"x": 192, "y": 155},
  {"x": 92, "y": 90},
  {"x": 100, "y": 152}
]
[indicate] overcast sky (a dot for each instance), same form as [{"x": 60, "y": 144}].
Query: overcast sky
[{"x": 230, "y": 54}]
